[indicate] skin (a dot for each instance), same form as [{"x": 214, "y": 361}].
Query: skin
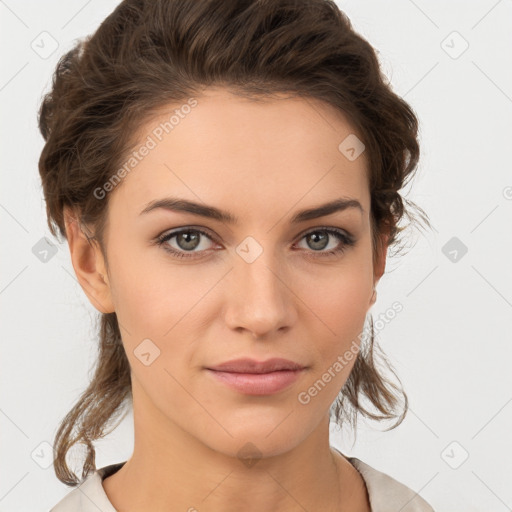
[{"x": 263, "y": 162}]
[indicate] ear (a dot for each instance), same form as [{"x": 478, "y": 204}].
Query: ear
[
  {"x": 89, "y": 264},
  {"x": 379, "y": 263}
]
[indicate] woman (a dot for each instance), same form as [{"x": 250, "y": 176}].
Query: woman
[{"x": 227, "y": 177}]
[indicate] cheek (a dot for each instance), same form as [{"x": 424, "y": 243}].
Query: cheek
[
  {"x": 337, "y": 332},
  {"x": 340, "y": 301},
  {"x": 159, "y": 308},
  {"x": 146, "y": 295},
  {"x": 340, "y": 296},
  {"x": 343, "y": 306}
]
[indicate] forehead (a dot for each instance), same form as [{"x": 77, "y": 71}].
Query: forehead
[{"x": 255, "y": 155}]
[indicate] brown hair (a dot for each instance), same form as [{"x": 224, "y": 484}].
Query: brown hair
[{"x": 149, "y": 53}]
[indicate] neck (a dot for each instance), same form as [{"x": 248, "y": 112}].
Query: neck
[{"x": 170, "y": 470}]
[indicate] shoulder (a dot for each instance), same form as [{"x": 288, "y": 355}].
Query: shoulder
[
  {"x": 89, "y": 496},
  {"x": 387, "y": 494}
]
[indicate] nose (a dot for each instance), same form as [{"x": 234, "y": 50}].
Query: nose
[{"x": 260, "y": 299}]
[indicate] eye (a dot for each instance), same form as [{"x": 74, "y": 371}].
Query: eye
[
  {"x": 319, "y": 243},
  {"x": 189, "y": 239},
  {"x": 186, "y": 239}
]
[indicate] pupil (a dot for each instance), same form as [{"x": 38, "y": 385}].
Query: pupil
[
  {"x": 188, "y": 245},
  {"x": 317, "y": 237}
]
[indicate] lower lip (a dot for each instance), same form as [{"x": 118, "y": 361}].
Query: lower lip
[{"x": 258, "y": 383}]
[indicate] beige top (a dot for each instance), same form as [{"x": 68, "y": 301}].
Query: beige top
[{"x": 386, "y": 494}]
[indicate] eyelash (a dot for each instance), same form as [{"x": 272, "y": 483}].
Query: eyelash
[{"x": 347, "y": 241}]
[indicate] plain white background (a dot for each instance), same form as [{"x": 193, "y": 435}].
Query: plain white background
[{"x": 451, "y": 344}]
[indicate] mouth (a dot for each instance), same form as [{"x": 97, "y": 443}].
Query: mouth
[
  {"x": 252, "y": 377},
  {"x": 258, "y": 383},
  {"x": 247, "y": 365}
]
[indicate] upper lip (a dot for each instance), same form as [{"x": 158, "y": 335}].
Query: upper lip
[{"x": 246, "y": 365}]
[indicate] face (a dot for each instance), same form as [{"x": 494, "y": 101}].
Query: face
[{"x": 192, "y": 291}]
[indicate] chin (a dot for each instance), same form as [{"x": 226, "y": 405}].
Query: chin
[{"x": 263, "y": 440}]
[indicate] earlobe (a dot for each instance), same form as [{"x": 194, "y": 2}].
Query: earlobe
[{"x": 88, "y": 263}]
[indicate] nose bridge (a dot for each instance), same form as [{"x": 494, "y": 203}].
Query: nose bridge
[{"x": 260, "y": 300}]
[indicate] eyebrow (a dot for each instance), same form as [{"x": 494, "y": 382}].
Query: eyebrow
[{"x": 184, "y": 205}]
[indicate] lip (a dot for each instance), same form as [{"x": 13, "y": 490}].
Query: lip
[
  {"x": 247, "y": 365},
  {"x": 258, "y": 383},
  {"x": 252, "y": 377}
]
